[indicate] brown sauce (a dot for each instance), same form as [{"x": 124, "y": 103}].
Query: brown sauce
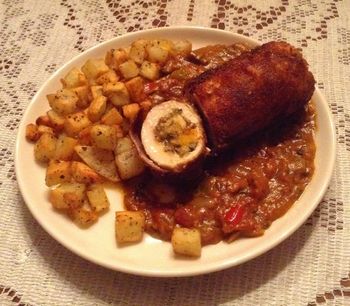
[{"x": 242, "y": 191}]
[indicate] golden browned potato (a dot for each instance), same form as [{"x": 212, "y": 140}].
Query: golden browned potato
[
  {"x": 130, "y": 111},
  {"x": 64, "y": 102},
  {"x": 42, "y": 129},
  {"x": 117, "y": 93},
  {"x": 65, "y": 147},
  {"x": 43, "y": 120},
  {"x": 97, "y": 108},
  {"x": 73, "y": 201},
  {"x": 97, "y": 198},
  {"x": 83, "y": 93},
  {"x": 83, "y": 216},
  {"x": 32, "y": 133},
  {"x": 149, "y": 70},
  {"x": 56, "y": 120},
  {"x": 58, "y": 172},
  {"x": 56, "y": 196},
  {"x": 108, "y": 77},
  {"x": 104, "y": 136},
  {"x": 112, "y": 117},
  {"x": 94, "y": 68},
  {"x": 135, "y": 88},
  {"x": 186, "y": 241},
  {"x": 157, "y": 54},
  {"x": 182, "y": 47},
  {"x": 45, "y": 147},
  {"x": 75, "y": 123},
  {"x": 129, "y": 69},
  {"x": 137, "y": 51},
  {"x": 129, "y": 226},
  {"x": 83, "y": 174},
  {"x": 74, "y": 78},
  {"x": 163, "y": 43},
  {"x": 96, "y": 91},
  {"x": 116, "y": 57}
]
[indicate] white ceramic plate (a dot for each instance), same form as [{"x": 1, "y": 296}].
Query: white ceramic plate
[{"x": 153, "y": 257}]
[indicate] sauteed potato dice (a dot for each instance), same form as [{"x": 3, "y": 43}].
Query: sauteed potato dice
[{"x": 82, "y": 137}]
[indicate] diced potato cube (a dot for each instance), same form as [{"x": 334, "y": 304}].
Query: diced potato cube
[
  {"x": 97, "y": 108},
  {"x": 97, "y": 198},
  {"x": 112, "y": 117},
  {"x": 129, "y": 226},
  {"x": 140, "y": 43},
  {"x": 83, "y": 93},
  {"x": 85, "y": 137},
  {"x": 65, "y": 147},
  {"x": 137, "y": 52},
  {"x": 163, "y": 43},
  {"x": 149, "y": 70},
  {"x": 43, "y": 120},
  {"x": 64, "y": 102},
  {"x": 117, "y": 93},
  {"x": 58, "y": 172},
  {"x": 74, "y": 78},
  {"x": 182, "y": 47},
  {"x": 32, "y": 133},
  {"x": 135, "y": 88},
  {"x": 83, "y": 216},
  {"x": 157, "y": 54},
  {"x": 116, "y": 57},
  {"x": 57, "y": 120},
  {"x": 56, "y": 196},
  {"x": 45, "y": 147},
  {"x": 82, "y": 173},
  {"x": 120, "y": 99},
  {"x": 93, "y": 68},
  {"x": 108, "y": 77},
  {"x": 186, "y": 241},
  {"x": 96, "y": 91},
  {"x": 73, "y": 201},
  {"x": 130, "y": 111},
  {"x": 104, "y": 136},
  {"x": 76, "y": 123},
  {"x": 129, "y": 69},
  {"x": 42, "y": 129}
]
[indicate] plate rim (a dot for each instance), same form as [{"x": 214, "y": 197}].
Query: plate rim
[{"x": 156, "y": 273}]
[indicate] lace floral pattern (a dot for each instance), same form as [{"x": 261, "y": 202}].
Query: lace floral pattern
[{"x": 310, "y": 268}]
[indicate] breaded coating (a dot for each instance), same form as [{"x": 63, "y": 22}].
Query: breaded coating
[{"x": 251, "y": 92}]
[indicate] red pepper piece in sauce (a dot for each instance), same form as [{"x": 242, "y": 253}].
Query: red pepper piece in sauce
[
  {"x": 150, "y": 87},
  {"x": 234, "y": 215}
]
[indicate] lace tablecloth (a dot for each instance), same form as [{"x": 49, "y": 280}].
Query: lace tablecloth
[{"x": 310, "y": 268}]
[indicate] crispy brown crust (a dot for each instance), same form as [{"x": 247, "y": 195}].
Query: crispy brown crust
[{"x": 251, "y": 92}]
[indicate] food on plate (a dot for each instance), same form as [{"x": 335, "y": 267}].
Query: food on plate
[
  {"x": 172, "y": 137},
  {"x": 251, "y": 92},
  {"x": 209, "y": 144},
  {"x": 186, "y": 241},
  {"x": 129, "y": 226},
  {"x": 97, "y": 198}
]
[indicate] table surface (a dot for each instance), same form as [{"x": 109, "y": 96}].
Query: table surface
[{"x": 310, "y": 268}]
